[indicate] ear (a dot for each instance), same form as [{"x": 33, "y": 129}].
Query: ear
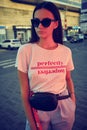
[{"x": 55, "y": 24}]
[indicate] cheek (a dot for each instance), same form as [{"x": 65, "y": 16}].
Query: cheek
[
  {"x": 44, "y": 32},
  {"x": 50, "y": 30},
  {"x": 40, "y": 33}
]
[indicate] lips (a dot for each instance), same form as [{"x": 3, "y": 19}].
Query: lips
[{"x": 40, "y": 32}]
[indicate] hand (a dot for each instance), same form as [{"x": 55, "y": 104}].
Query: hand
[{"x": 73, "y": 97}]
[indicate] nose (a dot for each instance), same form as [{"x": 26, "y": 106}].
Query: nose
[{"x": 40, "y": 25}]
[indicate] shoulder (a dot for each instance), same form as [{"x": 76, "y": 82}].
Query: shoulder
[
  {"x": 24, "y": 50},
  {"x": 25, "y": 46},
  {"x": 65, "y": 48}
]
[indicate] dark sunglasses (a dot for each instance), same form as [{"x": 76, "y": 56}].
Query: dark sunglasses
[{"x": 45, "y": 22}]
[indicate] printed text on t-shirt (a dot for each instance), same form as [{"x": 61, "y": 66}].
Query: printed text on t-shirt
[{"x": 49, "y": 67}]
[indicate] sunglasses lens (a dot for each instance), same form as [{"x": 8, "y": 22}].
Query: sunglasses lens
[
  {"x": 35, "y": 22},
  {"x": 46, "y": 22}
]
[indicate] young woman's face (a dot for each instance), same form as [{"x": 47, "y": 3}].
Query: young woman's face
[{"x": 45, "y": 23}]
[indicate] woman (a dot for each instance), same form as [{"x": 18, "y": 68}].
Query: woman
[{"x": 45, "y": 66}]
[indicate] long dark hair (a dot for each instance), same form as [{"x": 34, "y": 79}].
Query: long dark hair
[{"x": 57, "y": 33}]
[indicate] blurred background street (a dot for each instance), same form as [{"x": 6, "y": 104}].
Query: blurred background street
[{"x": 15, "y": 29}]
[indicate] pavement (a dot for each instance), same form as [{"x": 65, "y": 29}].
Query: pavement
[
  {"x": 80, "y": 80},
  {"x": 12, "y": 115}
]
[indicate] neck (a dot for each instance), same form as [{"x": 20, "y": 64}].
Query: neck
[{"x": 47, "y": 44}]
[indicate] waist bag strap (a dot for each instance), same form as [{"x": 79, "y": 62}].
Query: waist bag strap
[{"x": 62, "y": 97}]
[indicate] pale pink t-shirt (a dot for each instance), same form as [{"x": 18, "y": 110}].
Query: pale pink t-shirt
[{"x": 46, "y": 68}]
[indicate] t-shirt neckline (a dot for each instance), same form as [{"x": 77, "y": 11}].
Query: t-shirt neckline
[{"x": 47, "y": 49}]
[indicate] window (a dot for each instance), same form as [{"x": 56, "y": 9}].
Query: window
[
  {"x": 6, "y": 41},
  {"x": 16, "y": 41}
]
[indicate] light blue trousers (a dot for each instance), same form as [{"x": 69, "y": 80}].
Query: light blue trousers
[{"x": 62, "y": 118}]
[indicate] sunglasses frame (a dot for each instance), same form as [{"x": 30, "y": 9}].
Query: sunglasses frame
[{"x": 43, "y": 22}]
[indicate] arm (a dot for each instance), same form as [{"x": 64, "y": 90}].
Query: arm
[
  {"x": 70, "y": 86},
  {"x": 24, "y": 85}
]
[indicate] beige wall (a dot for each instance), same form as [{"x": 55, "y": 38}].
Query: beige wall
[
  {"x": 10, "y": 4},
  {"x": 72, "y": 19},
  {"x": 12, "y": 13},
  {"x": 76, "y": 1}
]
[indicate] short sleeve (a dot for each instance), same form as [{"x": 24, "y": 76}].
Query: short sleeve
[
  {"x": 23, "y": 58},
  {"x": 70, "y": 64}
]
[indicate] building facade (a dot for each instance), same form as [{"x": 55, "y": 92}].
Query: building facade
[
  {"x": 83, "y": 17},
  {"x": 15, "y": 20},
  {"x": 15, "y": 16}
]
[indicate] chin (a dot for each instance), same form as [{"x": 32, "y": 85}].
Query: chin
[{"x": 42, "y": 36}]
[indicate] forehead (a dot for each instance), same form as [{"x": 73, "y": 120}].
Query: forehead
[{"x": 43, "y": 13}]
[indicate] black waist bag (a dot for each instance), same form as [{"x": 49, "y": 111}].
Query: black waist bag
[{"x": 44, "y": 101}]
